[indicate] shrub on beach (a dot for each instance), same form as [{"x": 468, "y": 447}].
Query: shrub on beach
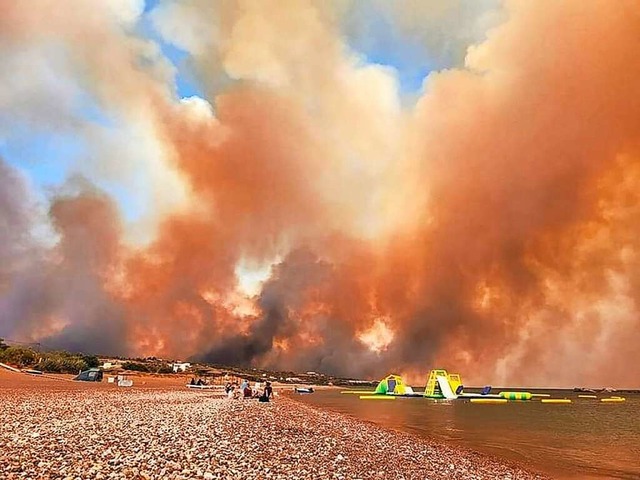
[
  {"x": 66, "y": 362},
  {"x": 155, "y": 367},
  {"x": 91, "y": 360},
  {"x": 62, "y": 362},
  {"x": 18, "y": 356},
  {"x": 135, "y": 367},
  {"x": 54, "y": 362},
  {"x": 164, "y": 368}
]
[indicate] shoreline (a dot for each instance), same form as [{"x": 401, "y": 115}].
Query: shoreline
[
  {"x": 68, "y": 430},
  {"x": 479, "y": 464}
]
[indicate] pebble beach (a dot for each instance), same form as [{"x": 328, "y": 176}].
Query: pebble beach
[{"x": 64, "y": 430}]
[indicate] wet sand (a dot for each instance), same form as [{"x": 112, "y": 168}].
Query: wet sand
[{"x": 57, "y": 429}]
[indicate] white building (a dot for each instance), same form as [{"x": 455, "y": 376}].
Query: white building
[
  {"x": 111, "y": 365},
  {"x": 180, "y": 366}
]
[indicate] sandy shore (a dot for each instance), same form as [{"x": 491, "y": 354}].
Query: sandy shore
[{"x": 67, "y": 430}]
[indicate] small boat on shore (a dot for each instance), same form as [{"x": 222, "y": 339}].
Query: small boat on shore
[{"x": 303, "y": 390}]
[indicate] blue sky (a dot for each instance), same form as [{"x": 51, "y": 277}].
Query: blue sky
[
  {"x": 185, "y": 85},
  {"x": 48, "y": 157},
  {"x": 382, "y": 43}
]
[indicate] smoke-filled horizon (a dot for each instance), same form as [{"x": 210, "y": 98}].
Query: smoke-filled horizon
[{"x": 342, "y": 186}]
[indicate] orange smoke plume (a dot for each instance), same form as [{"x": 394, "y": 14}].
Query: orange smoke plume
[{"x": 488, "y": 227}]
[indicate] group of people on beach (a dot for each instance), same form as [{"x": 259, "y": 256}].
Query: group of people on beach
[{"x": 244, "y": 390}]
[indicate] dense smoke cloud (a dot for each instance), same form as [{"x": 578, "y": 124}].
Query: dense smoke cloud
[
  {"x": 14, "y": 220},
  {"x": 488, "y": 227},
  {"x": 61, "y": 293}
]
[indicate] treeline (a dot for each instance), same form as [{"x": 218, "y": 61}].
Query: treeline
[
  {"x": 151, "y": 367},
  {"x": 52, "y": 362}
]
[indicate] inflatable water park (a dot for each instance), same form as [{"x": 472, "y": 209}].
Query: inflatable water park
[{"x": 445, "y": 386}]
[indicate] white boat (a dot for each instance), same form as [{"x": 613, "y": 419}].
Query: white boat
[{"x": 304, "y": 390}]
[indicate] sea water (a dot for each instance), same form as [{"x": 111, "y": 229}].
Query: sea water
[{"x": 586, "y": 439}]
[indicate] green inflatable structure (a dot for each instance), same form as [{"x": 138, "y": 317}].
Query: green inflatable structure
[
  {"x": 516, "y": 395},
  {"x": 391, "y": 385}
]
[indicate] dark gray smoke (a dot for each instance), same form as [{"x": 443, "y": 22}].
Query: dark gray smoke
[
  {"x": 321, "y": 340},
  {"x": 66, "y": 283}
]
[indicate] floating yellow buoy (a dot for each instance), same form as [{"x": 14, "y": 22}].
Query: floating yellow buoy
[
  {"x": 613, "y": 399},
  {"x": 540, "y": 394},
  {"x": 489, "y": 400},
  {"x": 516, "y": 395},
  {"x": 377, "y": 397},
  {"x": 587, "y": 396},
  {"x": 555, "y": 400}
]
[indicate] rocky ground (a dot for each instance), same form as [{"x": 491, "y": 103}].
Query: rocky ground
[{"x": 95, "y": 432}]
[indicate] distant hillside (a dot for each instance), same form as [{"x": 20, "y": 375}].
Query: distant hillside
[{"x": 22, "y": 356}]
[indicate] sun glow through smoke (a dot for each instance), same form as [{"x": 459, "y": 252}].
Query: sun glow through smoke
[{"x": 378, "y": 337}]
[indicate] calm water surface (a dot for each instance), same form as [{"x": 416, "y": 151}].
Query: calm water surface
[{"x": 586, "y": 439}]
